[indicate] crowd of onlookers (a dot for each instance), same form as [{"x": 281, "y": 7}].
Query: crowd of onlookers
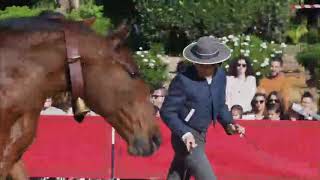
[
  {"x": 244, "y": 98},
  {"x": 268, "y": 100}
]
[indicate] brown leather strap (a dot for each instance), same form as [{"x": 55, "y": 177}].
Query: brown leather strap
[{"x": 74, "y": 64}]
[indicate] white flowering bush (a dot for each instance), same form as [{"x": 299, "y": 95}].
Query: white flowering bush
[
  {"x": 153, "y": 70},
  {"x": 259, "y": 51}
]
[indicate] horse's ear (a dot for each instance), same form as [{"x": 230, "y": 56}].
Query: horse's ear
[
  {"x": 89, "y": 21},
  {"x": 118, "y": 36}
]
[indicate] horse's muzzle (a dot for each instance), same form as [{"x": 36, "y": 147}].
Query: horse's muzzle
[{"x": 142, "y": 147}]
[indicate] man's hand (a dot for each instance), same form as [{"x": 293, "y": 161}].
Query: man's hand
[
  {"x": 189, "y": 141},
  {"x": 235, "y": 129}
]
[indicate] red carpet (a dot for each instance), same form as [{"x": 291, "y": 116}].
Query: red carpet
[{"x": 271, "y": 150}]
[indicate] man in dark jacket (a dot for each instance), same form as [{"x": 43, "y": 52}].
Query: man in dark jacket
[{"x": 195, "y": 98}]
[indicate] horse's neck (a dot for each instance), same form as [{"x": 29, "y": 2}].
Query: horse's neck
[{"x": 50, "y": 55}]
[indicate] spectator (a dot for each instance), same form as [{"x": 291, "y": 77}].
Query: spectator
[
  {"x": 157, "y": 99},
  {"x": 273, "y": 111},
  {"x": 277, "y": 81},
  {"x": 293, "y": 115},
  {"x": 307, "y": 108},
  {"x": 48, "y": 109},
  {"x": 275, "y": 98},
  {"x": 258, "y": 105},
  {"x": 236, "y": 111},
  {"x": 308, "y": 104},
  {"x": 241, "y": 84}
]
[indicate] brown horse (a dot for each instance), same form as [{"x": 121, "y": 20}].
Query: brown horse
[{"x": 33, "y": 67}]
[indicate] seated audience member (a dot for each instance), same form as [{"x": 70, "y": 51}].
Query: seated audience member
[
  {"x": 241, "y": 83},
  {"x": 236, "y": 111},
  {"x": 273, "y": 112},
  {"x": 157, "y": 99},
  {"x": 48, "y": 109},
  {"x": 258, "y": 105},
  {"x": 293, "y": 115},
  {"x": 307, "y": 108},
  {"x": 275, "y": 98}
]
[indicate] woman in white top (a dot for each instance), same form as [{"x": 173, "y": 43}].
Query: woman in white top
[{"x": 241, "y": 84}]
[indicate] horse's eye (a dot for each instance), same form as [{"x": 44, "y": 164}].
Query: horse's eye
[{"x": 134, "y": 75}]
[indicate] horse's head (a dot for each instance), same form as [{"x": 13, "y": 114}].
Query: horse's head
[{"x": 114, "y": 90}]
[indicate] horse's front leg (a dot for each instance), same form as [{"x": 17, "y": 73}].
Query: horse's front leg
[{"x": 21, "y": 135}]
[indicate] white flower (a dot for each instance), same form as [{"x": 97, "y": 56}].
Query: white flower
[
  {"x": 245, "y": 44},
  {"x": 140, "y": 48},
  {"x": 235, "y": 39},
  {"x": 151, "y": 65},
  {"x": 146, "y": 52},
  {"x": 236, "y": 43},
  {"x": 258, "y": 73},
  {"x": 141, "y": 55},
  {"x": 272, "y": 55},
  {"x": 138, "y": 52},
  {"x": 255, "y": 60},
  {"x": 263, "y": 45},
  {"x": 283, "y": 45},
  {"x": 247, "y": 38},
  {"x": 153, "y": 61},
  {"x": 224, "y": 41},
  {"x": 264, "y": 64},
  {"x": 272, "y": 42},
  {"x": 278, "y": 52},
  {"x": 231, "y": 36},
  {"x": 242, "y": 51},
  {"x": 231, "y": 50},
  {"x": 246, "y": 54},
  {"x": 266, "y": 59},
  {"x": 145, "y": 60},
  {"x": 159, "y": 56},
  {"x": 227, "y": 66}
]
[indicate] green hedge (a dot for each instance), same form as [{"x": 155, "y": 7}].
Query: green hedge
[
  {"x": 153, "y": 70},
  {"x": 309, "y": 57},
  {"x": 87, "y": 10},
  {"x": 194, "y": 18}
]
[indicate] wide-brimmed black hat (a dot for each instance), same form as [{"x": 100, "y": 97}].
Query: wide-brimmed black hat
[{"x": 207, "y": 50}]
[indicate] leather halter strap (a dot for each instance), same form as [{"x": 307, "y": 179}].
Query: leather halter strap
[{"x": 74, "y": 65}]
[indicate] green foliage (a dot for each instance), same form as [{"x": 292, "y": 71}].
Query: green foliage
[
  {"x": 195, "y": 18},
  {"x": 153, "y": 70},
  {"x": 90, "y": 9},
  {"x": 18, "y": 11},
  {"x": 44, "y": 4},
  {"x": 86, "y": 10},
  {"x": 272, "y": 19},
  {"x": 313, "y": 36},
  {"x": 297, "y": 32},
  {"x": 257, "y": 50},
  {"x": 309, "y": 57}
]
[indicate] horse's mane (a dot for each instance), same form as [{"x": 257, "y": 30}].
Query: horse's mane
[{"x": 46, "y": 21}]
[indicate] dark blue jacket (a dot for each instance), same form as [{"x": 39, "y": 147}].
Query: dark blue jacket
[{"x": 193, "y": 103}]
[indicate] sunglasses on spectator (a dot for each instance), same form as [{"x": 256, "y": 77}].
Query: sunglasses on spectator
[
  {"x": 243, "y": 65},
  {"x": 156, "y": 96},
  {"x": 274, "y": 100},
  {"x": 259, "y": 101}
]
